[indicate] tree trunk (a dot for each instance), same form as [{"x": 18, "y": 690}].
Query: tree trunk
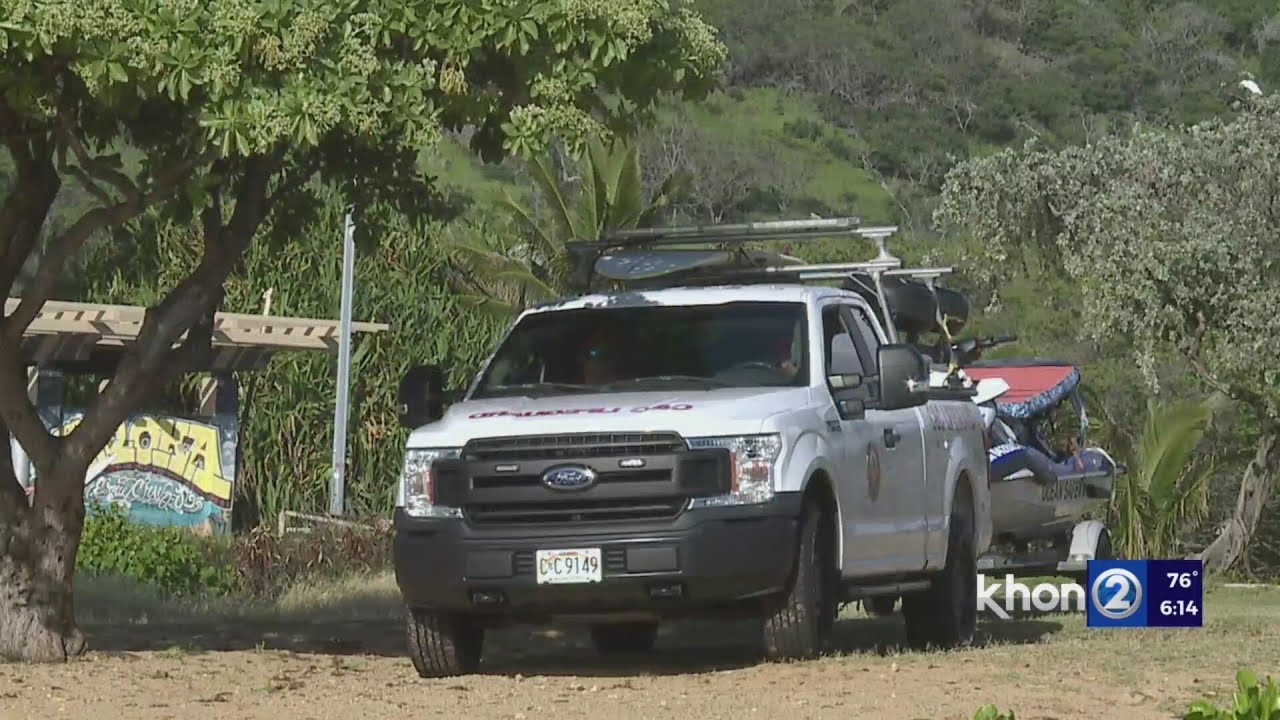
[
  {"x": 1255, "y": 488},
  {"x": 37, "y": 567}
]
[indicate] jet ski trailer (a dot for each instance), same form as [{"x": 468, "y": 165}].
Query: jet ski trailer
[{"x": 1048, "y": 506}]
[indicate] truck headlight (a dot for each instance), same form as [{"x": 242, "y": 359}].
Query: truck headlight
[
  {"x": 752, "y": 459},
  {"x": 417, "y": 487}
]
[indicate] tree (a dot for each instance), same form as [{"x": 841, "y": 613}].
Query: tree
[
  {"x": 1171, "y": 236},
  {"x": 224, "y": 112},
  {"x": 522, "y": 257}
]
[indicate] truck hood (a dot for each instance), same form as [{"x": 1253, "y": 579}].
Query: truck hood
[{"x": 725, "y": 411}]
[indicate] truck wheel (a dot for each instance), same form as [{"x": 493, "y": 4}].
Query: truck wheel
[
  {"x": 799, "y": 628},
  {"x": 946, "y": 614},
  {"x": 444, "y": 645},
  {"x": 622, "y": 638}
]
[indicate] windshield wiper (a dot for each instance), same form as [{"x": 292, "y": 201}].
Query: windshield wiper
[
  {"x": 530, "y": 389},
  {"x": 704, "y": 382}
]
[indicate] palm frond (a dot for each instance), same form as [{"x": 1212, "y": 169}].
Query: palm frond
[
  {"x": 628, "y": 194},
  {"x": 1172, "y": 433}
]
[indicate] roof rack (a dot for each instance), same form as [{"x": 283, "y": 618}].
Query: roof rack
[
  {"x": 722, "y": 258},
  {"x": 585, "y": 255},
  {"x": 810, "y": 229}
]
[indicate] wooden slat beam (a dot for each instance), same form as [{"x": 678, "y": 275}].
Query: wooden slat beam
[
  {"x": 71, "y": 333},
  {"x": 117, "y": 324}
]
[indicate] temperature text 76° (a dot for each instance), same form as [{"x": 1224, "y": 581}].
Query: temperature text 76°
[{"x": 1181, "y": 579}]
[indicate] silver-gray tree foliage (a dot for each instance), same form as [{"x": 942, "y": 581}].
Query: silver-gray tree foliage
[{"x": 1173, "y": 238}]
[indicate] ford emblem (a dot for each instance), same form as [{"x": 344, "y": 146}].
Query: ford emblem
[{"x": 569, "y": 477}]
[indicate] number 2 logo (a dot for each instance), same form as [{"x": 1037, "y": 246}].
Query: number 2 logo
[{"x": 1111, "y": 593}]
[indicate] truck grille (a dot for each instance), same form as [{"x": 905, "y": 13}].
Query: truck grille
[
  {"x": 640, "y": 476},
  {"x": 583, "y": 511},
  {"x": 581, "y": 446}
]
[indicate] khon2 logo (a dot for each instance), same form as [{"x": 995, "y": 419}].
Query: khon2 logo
[
  {"x": 1115, "y": 598},
  {"x": 1119, "y": 593}
]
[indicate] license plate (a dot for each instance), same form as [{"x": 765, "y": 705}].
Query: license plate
[{"x": 580, "y": 565}]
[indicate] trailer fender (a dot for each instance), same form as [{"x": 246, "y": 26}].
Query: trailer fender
[{"x": 1084, "y": 540}]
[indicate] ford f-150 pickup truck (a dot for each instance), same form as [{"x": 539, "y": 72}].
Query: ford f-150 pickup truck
[{"x": 719, "y": 448}]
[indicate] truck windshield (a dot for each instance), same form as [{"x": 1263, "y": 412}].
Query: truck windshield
[{"x": 741, "y": 344}]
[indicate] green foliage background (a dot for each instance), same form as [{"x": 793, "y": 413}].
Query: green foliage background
[
  {"x": 829, "y": 107},
  {"x": 287, "y": 410}
]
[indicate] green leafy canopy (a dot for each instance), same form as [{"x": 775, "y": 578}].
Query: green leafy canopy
[
  {"x": 237, "y": 78},
  {"x": 1169, "y": 233}
]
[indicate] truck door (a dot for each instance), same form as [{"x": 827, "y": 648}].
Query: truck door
[
  {"x": 897, "y": 494},
  {"x": 850, "y": 437}
]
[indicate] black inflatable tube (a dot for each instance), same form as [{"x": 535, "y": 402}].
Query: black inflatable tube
[{"x": 912, "y": 305}]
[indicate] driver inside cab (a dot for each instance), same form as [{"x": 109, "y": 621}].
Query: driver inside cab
[
  {"x": 789, "y": 352},
  {"x": 596, "y": 358}
]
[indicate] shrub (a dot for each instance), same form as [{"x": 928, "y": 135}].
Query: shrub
[
  {"x": 170, "y": 558},
  {"x": 990, "y": 712},
  {"x": 804, "y": 129},
  {"x": 266, "y": 563},
  {"x": 1253, "y": 701}
]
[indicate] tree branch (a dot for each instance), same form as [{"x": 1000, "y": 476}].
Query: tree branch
[
  {"x": 144, "y": 362},
  {"x": 95, "y": 167},
  {"x": 304, "y": 172},
  {"x": 13, "y": 134},
  {"x": 1250, "y": 397},
  {"x": 65, "y": 245},
  {"x": 23, "y": 216},
  {"x": 85, "y": 181},
  {"x": 188, "y": 309},
  {"x": 20, "y": 416}
]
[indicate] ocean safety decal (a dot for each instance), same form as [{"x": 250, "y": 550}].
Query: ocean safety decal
[{"x": 556, "y": 412}]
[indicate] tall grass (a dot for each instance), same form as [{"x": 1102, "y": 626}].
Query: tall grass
[{"x": 287, "y": 409}]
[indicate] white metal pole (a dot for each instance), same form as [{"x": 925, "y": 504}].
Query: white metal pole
[{"x": 337, "y": 487}]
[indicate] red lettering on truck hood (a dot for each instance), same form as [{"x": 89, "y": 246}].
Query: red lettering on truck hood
[{"x": 556, "y": 412}]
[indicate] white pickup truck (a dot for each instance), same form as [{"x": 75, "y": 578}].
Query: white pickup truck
[{"x": 720, "y": 448}]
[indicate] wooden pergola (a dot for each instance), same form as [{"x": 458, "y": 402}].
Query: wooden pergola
[
  {"x": 76, "y": 338},
  {"x": 89, "y": 337}
]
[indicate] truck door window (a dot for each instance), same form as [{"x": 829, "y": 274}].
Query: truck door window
[
  {"x": 865, "y": 340},
  {"x": 839, "y": 346},
  {"x": 865, "y": 337}
]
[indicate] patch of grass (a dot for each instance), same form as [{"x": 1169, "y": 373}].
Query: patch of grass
[
  {"x": 833, "y": 174},
  {"x": 115, "y": 600},
  {"x": 1239, "y": 629}
]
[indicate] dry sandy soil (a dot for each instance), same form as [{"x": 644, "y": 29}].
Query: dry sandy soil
[{"x": 255, "y": 663}]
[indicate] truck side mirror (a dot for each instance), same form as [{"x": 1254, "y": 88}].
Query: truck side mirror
[
  {"x": 904, "y": 377},
  {"x": 421, "y": 396}
]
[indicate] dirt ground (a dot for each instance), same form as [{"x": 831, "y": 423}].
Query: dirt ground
[{"x": 1048, "y": 666}]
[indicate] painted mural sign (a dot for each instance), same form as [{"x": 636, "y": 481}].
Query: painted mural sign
[{"x": 165, "y": 470}]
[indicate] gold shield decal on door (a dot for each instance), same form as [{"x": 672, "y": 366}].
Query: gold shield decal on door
[{"x": 873, "y": 473}]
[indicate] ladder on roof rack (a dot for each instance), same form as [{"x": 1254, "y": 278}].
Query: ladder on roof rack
[{"x": 586, "y": 256}]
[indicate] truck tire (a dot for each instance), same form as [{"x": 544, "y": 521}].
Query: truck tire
[
  {"x": 444, "y": 645},
  {"x": 800, "y": 626},
  {"x": 623, "y": 638},
  {"x": 945, "y": 615}
]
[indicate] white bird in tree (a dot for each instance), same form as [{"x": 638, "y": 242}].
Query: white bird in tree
[{"x": 1251, "y": 86}]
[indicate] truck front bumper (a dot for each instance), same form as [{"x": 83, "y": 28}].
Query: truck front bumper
[{"x": 704, "y": 560}]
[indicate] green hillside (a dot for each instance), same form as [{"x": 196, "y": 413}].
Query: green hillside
[{"x": 846, "y": 106}]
